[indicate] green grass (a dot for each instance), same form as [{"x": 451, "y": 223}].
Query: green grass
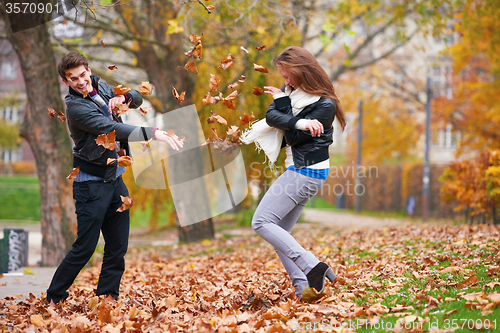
[{"x": 19, "y": 198}]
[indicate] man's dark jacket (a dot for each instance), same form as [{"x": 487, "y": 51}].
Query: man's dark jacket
[
  {"x": 86, "y": 122},
  {"x": 306, "y": 149}
]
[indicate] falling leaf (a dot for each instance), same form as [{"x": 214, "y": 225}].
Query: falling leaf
[
  {"x": 73, "y": 173},
  {"x": 214, "y": 82},
  {"x": 112, "y": 67},
  {"x": 232, "y": 96},
  {"x": 227, "y": 62},
  {"x": 128, "y": 202},
  {"x": 310, "y": 295},
  {"x": 102, "y": 43},
  {"x": 215, "y": 136},
  {"x": 261, "y": 48},
  {"x": 125, "y": 161},
  {"x": 146, "y": 144},
  {"x": 209, "y": 99},
  {"x": 93, "y": 303},
  {"x": 234, "y": 132},
  {"x": 107, "y": 141},
  {"x": 191, "y": 66},
  {"x": 210, "y": 7},
  {"x": 119, "y": 90},
  {"x": 232, "y": 85},
  {"x": 178, "y": 98},
  {"x": 257, "y": 91},
  {"x": 195, "y": 38},
  {"x": 59, "y": 114},
  {"x": 260, "y": 68},
  {"x": 229, "y": 104},
  {"x": 215, "y": 117},
  {"x": 196, "y": 52},
  {"x": 121, "y": 108},
  {"x": 245, "y": 119},
  {"x": 85, "y": 93},
  {"x": 242, "y": 78},
  {"x": 243, "y": 49},
  {"x": 145, "y": 110},
  {"x": 145, "y": 88}
]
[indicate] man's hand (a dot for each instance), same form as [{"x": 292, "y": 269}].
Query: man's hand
[
  {"x": 120, "y": 99},
  {"x": 173, "y": 141},
  {"x": 272, "y": 90}
]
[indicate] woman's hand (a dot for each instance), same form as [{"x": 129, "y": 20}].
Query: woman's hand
[
  {"x": 120, "y": 99},
  {"x": 315, "y": 127},
  {"x": 272, "y": 90},
  {"x": 173, "y": 141}
]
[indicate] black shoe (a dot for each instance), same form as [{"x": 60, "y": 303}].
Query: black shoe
[{"x": 316, "y": 277}]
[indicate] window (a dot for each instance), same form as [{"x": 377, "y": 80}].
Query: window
[{"x": 8, "y": 70}]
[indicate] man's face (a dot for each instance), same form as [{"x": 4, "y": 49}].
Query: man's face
[{"x": 78, "y": 78}]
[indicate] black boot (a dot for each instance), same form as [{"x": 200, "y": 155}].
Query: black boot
[{"x": 316, "y": 277}]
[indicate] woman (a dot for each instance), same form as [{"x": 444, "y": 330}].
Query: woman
[{"x": 302, "y": 115}]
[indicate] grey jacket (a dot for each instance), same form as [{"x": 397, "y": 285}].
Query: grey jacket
[
  {"x": 86, "y": 122},
  {"x": 306, "y": 149}
]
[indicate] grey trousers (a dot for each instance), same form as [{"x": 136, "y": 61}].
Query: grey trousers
[{"x": 275, "y": 217}]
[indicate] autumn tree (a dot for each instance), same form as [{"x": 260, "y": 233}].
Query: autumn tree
[{"x": 48, "y": 138}]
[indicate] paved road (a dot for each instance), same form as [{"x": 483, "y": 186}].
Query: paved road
[{"x": 38, "y": 283}]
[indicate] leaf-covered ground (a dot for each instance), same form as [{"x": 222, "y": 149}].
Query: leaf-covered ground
[{"x": 415, "y": 278}]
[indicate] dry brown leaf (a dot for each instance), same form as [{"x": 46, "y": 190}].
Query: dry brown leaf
[
  {"x": 232, "y": 85},
  {"x": 261, "y": 48},
  {"x": 227, "y": 62},
  {"x": 146, "y": 88},
  {"x": 146, "y": 144},
  {"x": 242, "y": 78},
  {"x": 214, "y": 82},
  {"x": 191, "y": 66},
  {"x": 195, "y": 38},
  {"x": 243, "y": 49},
  {"x": 73, "y": 173},
  {"x": 128, "y": 202},
  {"x": 125, "y": 161},
  {"x": 215, "y": 117},
  {"x": 179, "y": 98},
  {"x": 119, "y": 90},
  {"x": 145, "y": 110},
  {"x": 196, "y": 52},
  {"x": 231, "y": 96},
  {"x": 107, "y": 141},
  {"x": 209, "y": 99},
  {"x": 229, "y": 104},
  {"x": 245, "y": 119},
  {"x": 257, "y": 91},
  {"x": 121, "y": 108},
  {"x": 102, "y": 43},
  {"x": 59, "y": 114},
  {"x": 112, "y": 67},
  {"x": 260, "y": 68}
]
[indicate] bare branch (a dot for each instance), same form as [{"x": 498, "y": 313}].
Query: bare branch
[{"x": 201, "y": 3}]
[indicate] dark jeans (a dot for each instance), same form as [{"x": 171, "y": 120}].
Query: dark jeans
[{"x": 96, "y": 205}]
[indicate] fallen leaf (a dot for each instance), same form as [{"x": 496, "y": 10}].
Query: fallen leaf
[
  {"x": 227, "y": 62},
  {"x": 470, "y": 281},
  {"x": 38, "y": 321},
  {"x": 128, "y": 202},
  {"x": 112, "y": 67},
  {"x": 93, "y": 303},
  {"x": 215, "y": 117},
  {"x": 145, "y": 88},
  {"x": 245, "y": 119},
  {"x": 178, "y": 98},
  {"x": 260, "y": 68},
  {"x": 107, "y": 141},
  {"x": 191, "y": 66},
  {"x": 214, "y": 82},
  {"x": 73, "y": 173},
  {"x": 145, "y": 110},
  {"x": 119, "y": 90},
  {"x": 257, "y": 91},
  {"x": 310, "y": 295}
]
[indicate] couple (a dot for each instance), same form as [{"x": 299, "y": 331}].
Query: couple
[{"x": 303, "y": 115}]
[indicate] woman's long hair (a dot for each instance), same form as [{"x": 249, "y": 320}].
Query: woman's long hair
[{"x": 308, "y": 75}]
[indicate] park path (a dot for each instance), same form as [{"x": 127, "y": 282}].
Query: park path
[{"x": 23, "y": 284}]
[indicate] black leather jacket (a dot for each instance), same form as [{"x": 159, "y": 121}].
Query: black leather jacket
[
  {"x": 306, "y": 150},
  {"x": 86, "y": 122}
]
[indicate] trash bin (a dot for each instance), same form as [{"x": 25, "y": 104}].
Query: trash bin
[{"x": 13, "y": 250}]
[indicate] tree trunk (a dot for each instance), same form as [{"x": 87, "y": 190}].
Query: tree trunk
[{"x": 48, "y": 139}]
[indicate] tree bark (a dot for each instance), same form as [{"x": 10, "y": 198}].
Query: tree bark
[{"x": 48, "y": 139}]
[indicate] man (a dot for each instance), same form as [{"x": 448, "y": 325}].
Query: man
[{"x": 98, "y": 186}]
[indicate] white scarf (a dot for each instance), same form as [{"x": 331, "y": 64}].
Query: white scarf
[{"x": 268, "y": 138}]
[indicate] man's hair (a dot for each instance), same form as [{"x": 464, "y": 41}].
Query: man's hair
[{"x": 69, "y": 61}]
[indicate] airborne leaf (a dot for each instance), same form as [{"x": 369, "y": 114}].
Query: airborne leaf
[
  {"x": 145, "y": 110},
  {"x": 194, "y": 38},
  {"x": 257, "y": 91},
  {"x": 145, "y": 88},
  {"x": 261, "y": 48},
  {"x": 107, "y": 141},
  {"x": 59, "y": 114},
  {"x": 227, "y": 62},
  {"x": 119, "y": 90},
  {"x": 243, "y": 49},
  {"x": 128, "y": 202},
  {"x": 146, "y": 144},
  {"x": 242, "y": 78},
  {"x": 209, "y": 99},
  {"x": 191, "y": 66},
  {"x": 102, "y": 43},
  {"x": 196, "y": 52},
  {"x": 260, "y": 68},
  {"x": 121, "y": 108},
  {"x": 112, "y": 67},
  {"x": 214, "y": 82},
  {"x": 73, "y": 173},
  {"x": 232, "y": 85},
  {"x": 178, "y": 98},
  {"x": 215, "y": 117},
  {"x": 232, "y": 96},
  {"x": 245, "y": 119}
]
